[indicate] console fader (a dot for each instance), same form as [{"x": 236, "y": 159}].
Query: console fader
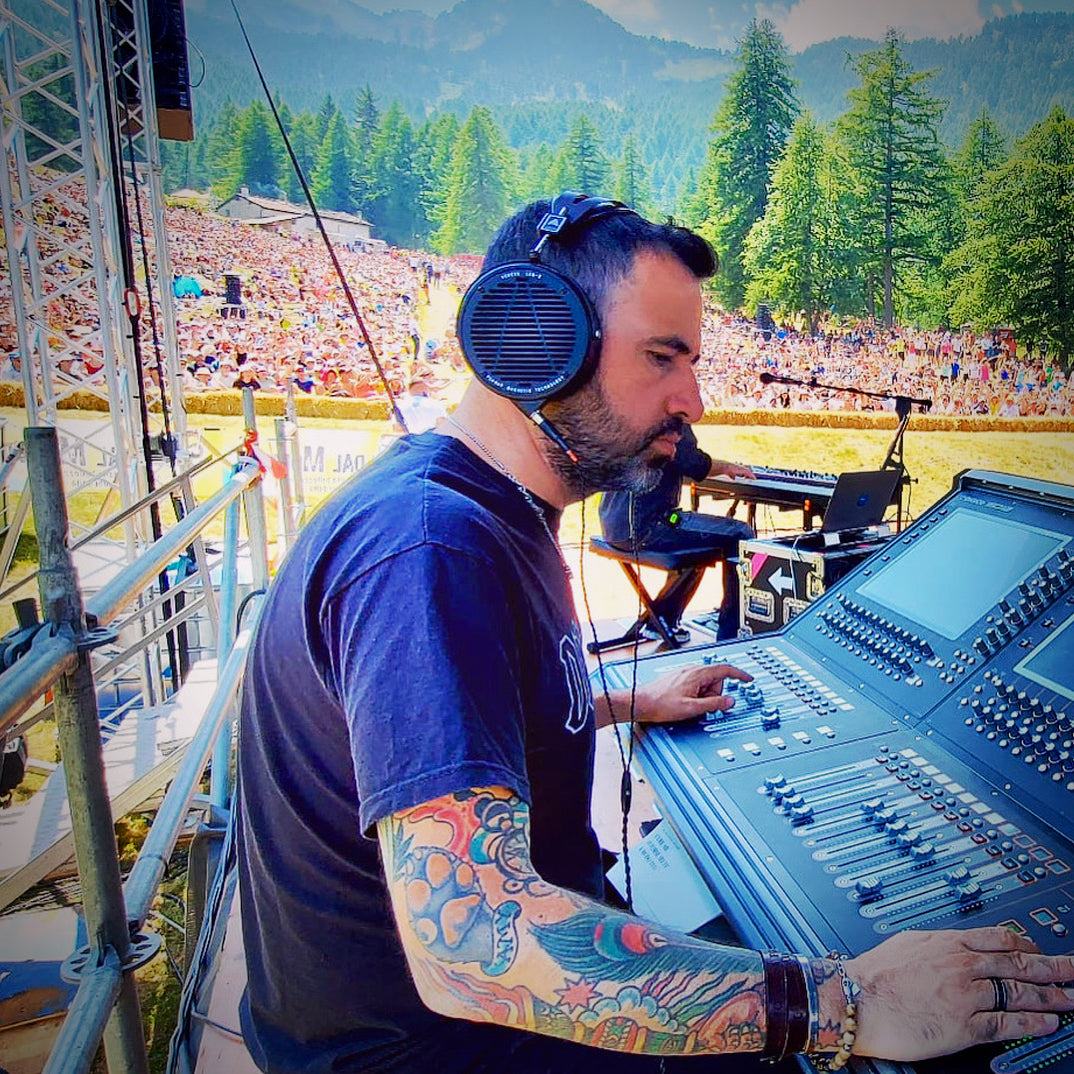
[{"x": 904, "y": 757}]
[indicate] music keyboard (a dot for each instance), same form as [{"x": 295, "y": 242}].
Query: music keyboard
[{"x": 788, "y": 489}]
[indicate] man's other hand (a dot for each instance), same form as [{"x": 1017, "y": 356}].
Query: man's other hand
[{"x": 730, "y": 469}]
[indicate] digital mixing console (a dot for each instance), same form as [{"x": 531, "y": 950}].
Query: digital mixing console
[{"x": 904, "y": 756}]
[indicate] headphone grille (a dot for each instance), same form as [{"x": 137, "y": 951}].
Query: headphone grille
[{"x": 524, "y": 332}]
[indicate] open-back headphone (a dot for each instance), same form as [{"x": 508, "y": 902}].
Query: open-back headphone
[{"x": 528, "y": 331}]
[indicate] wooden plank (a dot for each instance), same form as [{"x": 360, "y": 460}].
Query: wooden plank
[
  {"x": 141, "y": 757},
  {"x": 221, "y": 1046}
]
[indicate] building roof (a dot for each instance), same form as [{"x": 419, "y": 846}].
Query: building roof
[
  {"x": 273, "y": 218},
  {"x": 286, "y": 210}
]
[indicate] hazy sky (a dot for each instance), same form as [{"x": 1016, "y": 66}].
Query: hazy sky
[{"x": 717, "y": 23}]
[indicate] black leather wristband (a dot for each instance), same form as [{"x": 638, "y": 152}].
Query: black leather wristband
[
  {"x": 797, "y": 1006},
  {"x": 775, "y": 994}
]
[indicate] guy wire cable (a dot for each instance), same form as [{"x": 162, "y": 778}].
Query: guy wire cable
[
  {"x": 164, "y": 408},
  {"x": 320, "y": 224}
]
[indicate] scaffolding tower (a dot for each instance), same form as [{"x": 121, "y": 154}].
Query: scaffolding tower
[{"x": 87, "y": 265}]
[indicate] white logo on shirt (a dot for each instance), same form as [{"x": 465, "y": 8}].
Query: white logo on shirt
[{"x": 580, "y": 700}]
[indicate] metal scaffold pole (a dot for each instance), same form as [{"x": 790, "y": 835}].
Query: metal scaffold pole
[{"x": 78, "y": 731}]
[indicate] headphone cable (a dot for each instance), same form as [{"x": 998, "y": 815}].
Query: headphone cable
[{"x": 626, "y": 755}]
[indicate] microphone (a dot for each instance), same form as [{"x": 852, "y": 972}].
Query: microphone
[{"x": 775, "y": 378}]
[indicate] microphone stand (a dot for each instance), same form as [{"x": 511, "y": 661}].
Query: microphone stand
[{"x": 903, "y": 407}]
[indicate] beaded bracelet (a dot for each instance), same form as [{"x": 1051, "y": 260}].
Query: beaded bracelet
[{"x": 851, "y": 991}]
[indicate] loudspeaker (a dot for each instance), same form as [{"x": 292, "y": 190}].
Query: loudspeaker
[
  {"x": 232, "y": 289},
  {"x": 528, "y": 331},
  {"x": 171, "y": 71}
]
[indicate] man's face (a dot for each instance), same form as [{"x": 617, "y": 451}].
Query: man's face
[{"x": 624, "y": 424}]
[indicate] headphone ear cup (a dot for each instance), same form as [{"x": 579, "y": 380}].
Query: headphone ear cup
[{"x": 528, "y": 332}]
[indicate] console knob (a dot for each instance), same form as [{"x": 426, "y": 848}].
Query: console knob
[
  {"x": 969, "y": 892},
  {"x": 869, "y": 887}
]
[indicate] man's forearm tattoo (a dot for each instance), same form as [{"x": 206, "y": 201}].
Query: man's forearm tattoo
[{"x": 592, "y": 974}]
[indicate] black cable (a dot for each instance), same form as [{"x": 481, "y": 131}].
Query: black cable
[
  {"x": 243, "y": 605},
  {"x": 169, "y": 449},
  {"x": 320, "y": 224},
  {"x": 625, "y": 756},
  {"x": 127, "y": 261}
]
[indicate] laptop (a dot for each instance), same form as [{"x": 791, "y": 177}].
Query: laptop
[{"x": 859, "y": 500}]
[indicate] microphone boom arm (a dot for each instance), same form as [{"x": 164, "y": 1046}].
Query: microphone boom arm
[{"x": 903, "y": 406}]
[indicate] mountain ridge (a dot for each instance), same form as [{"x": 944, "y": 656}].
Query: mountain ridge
[{"x": 537, "y": 63}]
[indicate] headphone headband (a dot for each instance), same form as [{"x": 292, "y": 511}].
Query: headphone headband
[{"x": 570, "y": 212}]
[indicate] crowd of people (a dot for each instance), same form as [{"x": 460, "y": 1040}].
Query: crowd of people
[
  {"x": 293, "y": 325},
  {"x": 960, "y": 372},
  {"x": 293, "y": 329}
]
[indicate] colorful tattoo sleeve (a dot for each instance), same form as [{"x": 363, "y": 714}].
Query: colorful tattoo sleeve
[{"x": 488, "y": 940}]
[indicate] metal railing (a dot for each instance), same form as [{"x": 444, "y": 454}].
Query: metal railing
[{"x": 106, "y": 1003}]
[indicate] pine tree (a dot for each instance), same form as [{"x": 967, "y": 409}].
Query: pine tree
[
  {"x": 220, "y": 150},
  {"x": 482, "y": 188},
  {"x": 891, "y": 130},
  {"x": 582, "y": 164},
  {"x": 751, "y": 128},
  {"x": 328, "y": 109},
  {"x": 303, "y": 134},
  {"x": 632, "y": 186},
  {"x": 537, "y": 174},
  {"x": 984, "y": 148},
  {"x": 1017, "y": 265},
  {"x": 257, "y": 160},
  {"x": 331, "y": 182},
  {"x": 799, "y": 254},
  {"x": 366, "y": 125},
  {"x": 436, "y": 145},
  {"x": 396, "y": 207}
]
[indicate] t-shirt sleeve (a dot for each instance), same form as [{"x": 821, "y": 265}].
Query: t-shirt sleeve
[
  {"x": 690, "y": 459},
  {"x": 427, "y": 685}
]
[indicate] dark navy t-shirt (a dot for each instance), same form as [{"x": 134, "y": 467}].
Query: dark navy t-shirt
[{"x": 419, "y": 639}]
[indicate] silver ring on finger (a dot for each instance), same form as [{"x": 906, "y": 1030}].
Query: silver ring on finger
[{"x": 999, "y": 994}]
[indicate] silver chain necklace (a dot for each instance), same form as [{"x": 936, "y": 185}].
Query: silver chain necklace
[{"x": 527, "y": 496}]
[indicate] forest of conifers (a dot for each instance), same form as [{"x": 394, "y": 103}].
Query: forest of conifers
[{"x": 855, "y": 180}]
